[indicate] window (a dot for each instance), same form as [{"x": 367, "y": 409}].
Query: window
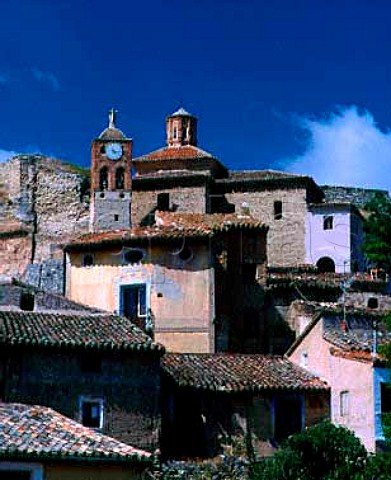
[
  {"x": 372, "y": 302},
  {"x": 277, "y": 210},
  {"x": 88, "y": 260},
  {"x": 119, "y": 178},
  {"x": 304, "y": 360},
  {"x": 344, "y": 403},
  {"x": 134, "y": 255},
  {"x": 20, "y": 471},
  {"x": 27, "y": 301},
  {"x": 91, "y": 412},
  {"x": 328, "y": 221},
  {"x": 103, "y": 178},
  {"x": 116, "y": 217},
  {"x": 186, "y": 254},
  {"x": 385, "y": 397},
  {"x": 134, "y": 301},
  {"x": 163, "y": 202}
]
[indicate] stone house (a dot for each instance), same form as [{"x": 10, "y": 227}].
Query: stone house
[
  {"x": 226, "y": 398},
  {"x": 98, "y": 369},
  {"x": 38, "y": 443},
  {"x": 192, "y": 281},
  {"x": 341, "y": 347}
]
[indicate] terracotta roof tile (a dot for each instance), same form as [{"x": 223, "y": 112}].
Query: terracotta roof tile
[
  {"x": 170, "y": 226},
  {"x": 215, "y": 221},
  {"x": 238, "y": 372},
  {"x": 174, "y": 153},
  {"x": 102, "y": 331},
  {"x": 36, "y": 432}
]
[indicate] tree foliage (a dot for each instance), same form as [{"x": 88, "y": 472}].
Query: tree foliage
[
  {"x": 322, "y": 452},
  {"x": 377, "y": 228}
]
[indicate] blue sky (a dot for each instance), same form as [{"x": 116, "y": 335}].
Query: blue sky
[{"x": 298, "y": 85}]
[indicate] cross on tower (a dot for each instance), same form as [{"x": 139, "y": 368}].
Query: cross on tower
[{"x": 112, "y": 115}]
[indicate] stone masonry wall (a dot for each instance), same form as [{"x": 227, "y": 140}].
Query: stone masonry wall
[
  {"x": 286, "y": 237},
  {"x": 129, "y": 386},
  {"x": 182, "y": 199},
  {"x": 15, "y": 255}
]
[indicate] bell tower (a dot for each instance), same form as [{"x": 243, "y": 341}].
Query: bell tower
[
  {"x": 181, "y": 129},
  {"x": 111, "y": 179}
]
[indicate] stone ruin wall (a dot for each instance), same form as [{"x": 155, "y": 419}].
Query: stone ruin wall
[{"x": 50, "y": 198}]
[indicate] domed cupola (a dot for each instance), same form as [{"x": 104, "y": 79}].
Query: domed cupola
[{"x": 181, "y": 129}]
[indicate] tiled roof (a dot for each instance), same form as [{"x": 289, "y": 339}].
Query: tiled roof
[
  {"x": 260, "y": 174},
  {"x": 357, "y": 333},
  {"x": 238, "y": 372},
  {"x": 182, "y": 152},
  {"x": 216, "y": 221},
  {"x": 99, "y": 331},
  {"x": 36, "y": 432},
  {"x": 352, "y": 338},
  {"x": 170, "y": 226},
  {"x": 112, "y": 134}
]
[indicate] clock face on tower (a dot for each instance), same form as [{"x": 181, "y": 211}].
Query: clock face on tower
[{"x": 114, "y": 151}]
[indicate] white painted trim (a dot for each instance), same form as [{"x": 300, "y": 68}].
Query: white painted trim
[{"x": 89, "y": 398}]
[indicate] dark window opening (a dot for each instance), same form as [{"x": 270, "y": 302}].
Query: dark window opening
[
  {"x": 277, "y": 210},
  {"x": 287, "y": 416},
  {"x": 163, "y": 202},
  {"x": 328, "y": 222},
  {"x": 372, "y": 302},
  {"x": 88, "y": 260},
  {"x": 92, "y": 413},
  {"x": 325, "y": 265},
  {"x": 133, "y": 256},
  {"x": 119, "y": 178},
  {"x": 116, "y": 217},
  {"x": 103, "y": 178},
  {"x": 249, "y": 272},
  {"x": 90, "y": 363},
  {"x": 27, "y": 301},
  {"x": 102, "y": 149},
  {"x": 134, "y": 301},
  {"x": 16, "y": 475},
  {"x": 385, "y": 394},
  {"x": 186, "y": 254}
]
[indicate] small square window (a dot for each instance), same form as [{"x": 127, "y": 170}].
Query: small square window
[
  {"x": 91, "y": 412},
  {"x": 116, "y": 218},
  {"x": 328, "y": 222},
  {"x": 278, "y": 210},
  {"x": 88, "y": 260},
  {"x": 344, "y": 403}
]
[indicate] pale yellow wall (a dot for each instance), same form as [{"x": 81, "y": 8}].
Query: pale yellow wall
[
  {"x": 91, "y": 472},
  {"x": 181, "y": 293},
  {"x": 342, "y": 375}
]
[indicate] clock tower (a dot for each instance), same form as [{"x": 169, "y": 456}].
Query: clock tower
[{"x": 111, "y": 179}]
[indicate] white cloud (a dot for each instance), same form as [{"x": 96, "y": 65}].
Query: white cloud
[
  {"x": 46, "y": 77},
  {"x": 346, "y": 148},
  {"x": 5, "y": 155}
]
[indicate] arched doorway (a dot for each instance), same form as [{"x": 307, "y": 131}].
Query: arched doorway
[{"x": 326, "y": 265}]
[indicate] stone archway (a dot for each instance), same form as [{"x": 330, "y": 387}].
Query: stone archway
[{"x": 326, "y": 265}]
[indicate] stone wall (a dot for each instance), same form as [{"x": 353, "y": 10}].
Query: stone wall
[
  {"x": 50, "y": 198},
  {"x": 128, "y": 384},
  {"x": 15, "y": 254},
  {"x": 286, "y": 236},
  {"x": 181, "y": 199}
]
